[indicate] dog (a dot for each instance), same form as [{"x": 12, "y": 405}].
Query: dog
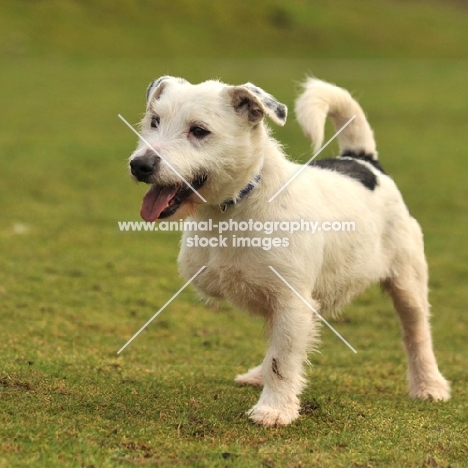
[{"x": 209, "y": 155}]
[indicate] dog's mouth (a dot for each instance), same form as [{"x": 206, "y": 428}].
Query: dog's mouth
[{"x": 162, "y": 201}]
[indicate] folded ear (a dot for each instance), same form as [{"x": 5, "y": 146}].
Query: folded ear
[
  {"x": 255, "y": 103},
  {"x": 156, "y": 87}
]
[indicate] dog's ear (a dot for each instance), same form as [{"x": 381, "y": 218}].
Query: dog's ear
[
  {"x": 156, "y": 87},
  {"x": 252, "y": 101}
]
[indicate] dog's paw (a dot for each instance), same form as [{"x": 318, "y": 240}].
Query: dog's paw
[
  {"x": 435, "y": 390},
  {"x": 252, "y": 377},
  {"x": 272, "y": 417}
]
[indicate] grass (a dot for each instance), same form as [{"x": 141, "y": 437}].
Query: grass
[
  {"x": 264, "y": 28},
  {"x": 73, "y": 289}
]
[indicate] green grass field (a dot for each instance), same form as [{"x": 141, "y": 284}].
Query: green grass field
[{"x": 73, "y": 289}]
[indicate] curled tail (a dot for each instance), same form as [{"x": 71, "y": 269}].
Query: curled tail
[{"x": 319, "y": 100}]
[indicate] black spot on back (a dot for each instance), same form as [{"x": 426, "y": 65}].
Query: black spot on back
[
  {"x": 349, "y": 168},
  {"x": 363, "y": 157}
]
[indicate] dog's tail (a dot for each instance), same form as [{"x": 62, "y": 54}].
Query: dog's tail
[{"x": 321, "y": 99}]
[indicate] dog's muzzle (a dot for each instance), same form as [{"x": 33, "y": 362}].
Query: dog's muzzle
[
  {"x": 163, "y": 199},
  {"x": 144, "y": 167}
]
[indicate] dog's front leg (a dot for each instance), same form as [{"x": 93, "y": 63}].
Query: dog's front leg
[{"x": 290, "y": 332}]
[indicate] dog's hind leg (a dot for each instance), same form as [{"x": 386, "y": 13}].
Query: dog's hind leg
[
  {"x": 252, "y": 377},
  {"x": 291, "y": 331},
  {"x": 408, "y": 289}
]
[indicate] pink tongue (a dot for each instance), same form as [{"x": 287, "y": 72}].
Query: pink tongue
[{"x": 156, "y": 201}]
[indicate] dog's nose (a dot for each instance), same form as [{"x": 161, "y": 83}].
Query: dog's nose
[{"x": 144, "y": 166}]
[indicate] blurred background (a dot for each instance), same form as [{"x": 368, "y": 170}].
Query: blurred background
[
  {"x": 69, "y": 67},
  {"x": 74, "y": 289}
]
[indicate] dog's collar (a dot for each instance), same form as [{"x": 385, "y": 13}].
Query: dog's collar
[{"x": 231, "y": 201}]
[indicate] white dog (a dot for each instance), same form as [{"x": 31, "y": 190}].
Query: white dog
[{"x": 215, "y": 138}]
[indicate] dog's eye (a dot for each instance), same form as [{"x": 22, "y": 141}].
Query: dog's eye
[
  {"x": 199, "y": 132},
  {"x": 154, "y": 122}
]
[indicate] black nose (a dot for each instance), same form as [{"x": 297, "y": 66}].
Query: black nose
[{"x": 143, "y": 167}]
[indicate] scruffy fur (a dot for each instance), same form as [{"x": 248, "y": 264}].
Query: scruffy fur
[{"x": 328, "y": 269}]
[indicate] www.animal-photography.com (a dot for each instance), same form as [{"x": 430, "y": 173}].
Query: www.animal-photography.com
[{"x": 234, "y": 234}]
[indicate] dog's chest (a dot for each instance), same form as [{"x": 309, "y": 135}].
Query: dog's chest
[{"x": 228, "y": 277}]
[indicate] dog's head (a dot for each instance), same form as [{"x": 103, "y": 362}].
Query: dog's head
[{"x": 207, "y": 137}]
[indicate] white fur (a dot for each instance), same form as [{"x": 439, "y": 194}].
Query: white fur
[
  {"x": 321, "y": 100},
  {"x": 327, "y": 268}
]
